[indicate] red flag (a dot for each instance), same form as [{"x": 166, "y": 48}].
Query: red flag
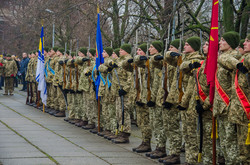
[{"x": 211, "y": 63}]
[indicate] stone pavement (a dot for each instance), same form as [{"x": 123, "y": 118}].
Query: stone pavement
[{"x": 28, "y": 136}]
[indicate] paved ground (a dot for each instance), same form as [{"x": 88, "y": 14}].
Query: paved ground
[{"x": 28, "y": 136}]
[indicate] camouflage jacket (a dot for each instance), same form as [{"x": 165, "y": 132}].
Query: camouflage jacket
[
  {"x": 10, "y": 68},
  {"x": 237, "y": 114},
  {"x": 49, "y": 66},
  {"x": 225, "y": 73},
  {"x": 57, "y": 71},
  {"x": 29, "y": 74}
]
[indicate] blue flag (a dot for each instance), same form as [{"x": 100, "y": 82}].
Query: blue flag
[
  {"x": 40, "y": 70},
  {"x": 99, "y": 50}
]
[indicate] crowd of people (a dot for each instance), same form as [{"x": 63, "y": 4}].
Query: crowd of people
[
  {"x": 12, "y": 72},
  {"x": 164, "y": 88}
]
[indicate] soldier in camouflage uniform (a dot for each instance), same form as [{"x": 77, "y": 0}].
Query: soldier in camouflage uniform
[
  {"x": 29, "y": 75},
  {"x": 239, "y": 110},
  {"x": 50, "y": 69},
  {"x": 123, "y": 90},
  {"x": 112, "y": 94},
  {"x": 226, "y": 63},
  {"x": 10, "y": 71},
  {"x": 58, "y": 82},
  {"x": 155, "y": 110},
  {"x": 90, "y": 95},
  {"x": 171, "y": 115},
  {"x": 139, "y": 98},
  {"x": 82, "y": 62},
  {"x": 105, "y": 90},
  {"x": 191, "y": 48}
]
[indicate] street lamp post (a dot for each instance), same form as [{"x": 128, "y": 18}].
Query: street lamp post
[{"x": 53, "y": 31}]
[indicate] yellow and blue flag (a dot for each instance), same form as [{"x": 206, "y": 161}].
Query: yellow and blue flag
[{"x": 40, "y": 69}]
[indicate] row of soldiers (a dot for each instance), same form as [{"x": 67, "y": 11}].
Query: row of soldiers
[{"x": 166, "y": 89}]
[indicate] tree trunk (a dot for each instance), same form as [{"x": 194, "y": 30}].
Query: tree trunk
[{"x": 228, "y": 16}]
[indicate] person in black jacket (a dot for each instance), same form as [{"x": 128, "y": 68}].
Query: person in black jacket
[{"x": 23, "y": 69}]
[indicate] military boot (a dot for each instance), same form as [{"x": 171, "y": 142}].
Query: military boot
[
  {"x": 106, "y": 132},
  {"x": 144, "y": 147},
  {"x": 81, "y": 123},
  {"x": 73, "y": 121},
  {"x": 165, "y": 158},
  {"x": 53, "y": 112},
  {"x": 66, "y": 119},
  {"x": 149, "y": 153},
  {"x": 123, "y": 138},
  {"x": 94, "y": 131},
  {"x": 108, "y": 135},
  {"x": 89, "y": 126},
  {"x": 111, "y": 137},
  {"x": 173, "y": 159},
  {"x": 134, "y": 149},
  {"x": 160, "y": 153},
  {"x": 60, "y": 114}
]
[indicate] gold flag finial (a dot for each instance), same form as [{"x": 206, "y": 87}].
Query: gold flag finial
[
  {"x": 42, "y": 21},
  {"x": 98, "y": 10}
]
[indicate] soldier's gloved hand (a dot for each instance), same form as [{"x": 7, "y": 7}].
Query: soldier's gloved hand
[
  {"x": 130, "y": 60},
  {"x": 199, "y": 108},
  {"x": 66, "y": 61},
  {"x": 113, "y": 65},
  {"x": 194, "y": 65},
  {"x": 158, "y": 58},
  {"x": 60, "y": 62},
  {"x": 139, "y": 103},
  {"x": 181, "y": 108},
  {"x": 85, "y": 59},
  {"x": 242, "y": 68},
  {"x": 72, "y": 61},
  {"x": 122, "y": 92},
  {"x": 143, "y": 58},
  {"x": 174, "y": 54},
  {"x": 167, "y": 105},
  {"x": 87, "y": 74},
  {"x": 110, "y": 69},
  {"x": 150, "y": 104}
]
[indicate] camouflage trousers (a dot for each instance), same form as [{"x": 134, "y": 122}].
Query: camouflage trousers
[
  {"x": 143, "y": 122},
  {"x": 189, "y": 127},
  {"x": 171, "y": 124},
  {"x": 91, "y": 109},
  {"x": 207, "y": 149},
  {"x": 112, "y": 121},
  {"x": 108, "y": 118},
  {"x": 9, "y": 85},
  {"x": 83, "y": 110},
  {"x": 156, "y": 122},
  {"x": 78, "y": 105},
  {"x": 60, "y": 100},
  {"x": 53, "y": 96},
  {"x": 34, "y": 90},
  {"x": 127, "y": 119},
  {"x": 71, "y": 103},
  {"x": 49, "y": 94},
  {"x": 228, "y": 140},
  {"x": 244, "y": 149}
]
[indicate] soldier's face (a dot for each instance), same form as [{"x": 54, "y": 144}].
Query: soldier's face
[
  {"x": 152, "y": 50},
  {"x": 140, "y": 52},
  {"x": 224, "y": 46},
  {"x": 80, "y": 54},
  {"x": 188, "y": 48},
  {"x": 114, "y": 55},
  {"x": 173, "y": 49},
  {"x": 52, "y": 51},
  {"x": 205, "y": 47},
  {"x": 123, "y": 52},
  {"x": 246, "y": 45},
  {"x": 104, "y": 54}
]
